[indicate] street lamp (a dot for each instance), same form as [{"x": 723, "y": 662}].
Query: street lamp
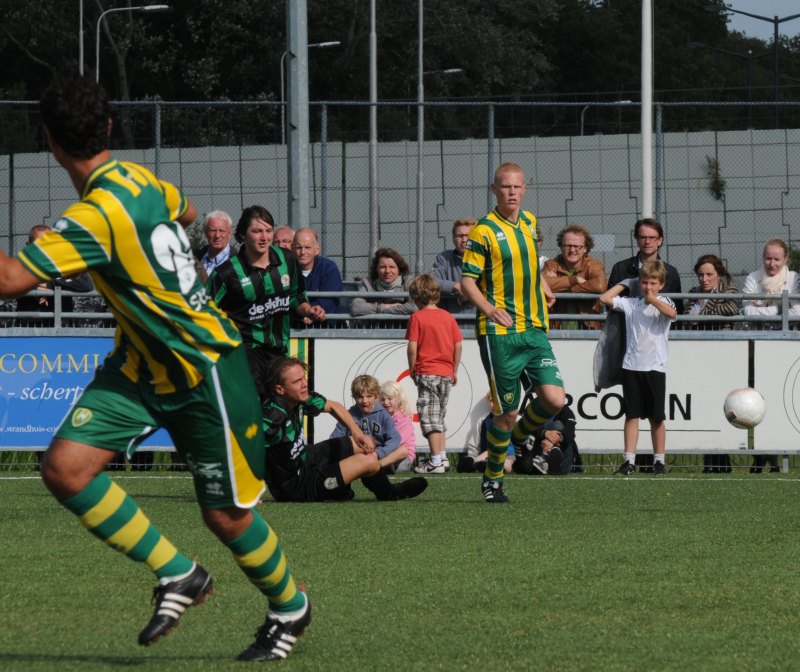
[
  {"x": 315, "y": 45},
  {"x": 141, "y": 8},
  {"x": 775, "y": 21},
  {"x": 750, "y": 58}
]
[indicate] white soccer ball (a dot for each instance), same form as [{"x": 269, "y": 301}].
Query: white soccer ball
[{"x": 745, "y": 408}]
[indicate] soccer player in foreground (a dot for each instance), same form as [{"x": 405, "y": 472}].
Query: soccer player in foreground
[
  {"x": 500, "y": 274},
  {"x": 178, "y": 363}
]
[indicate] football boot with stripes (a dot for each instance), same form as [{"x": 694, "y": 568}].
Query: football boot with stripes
[
  {"x": 276, "y": 638},
  {"x": 172, "y": 600}
]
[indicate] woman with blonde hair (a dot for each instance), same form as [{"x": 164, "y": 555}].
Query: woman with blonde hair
[{"x": 774, "y": 277}]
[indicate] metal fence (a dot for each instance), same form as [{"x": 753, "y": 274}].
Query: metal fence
[{"x": 725, "y": 179}]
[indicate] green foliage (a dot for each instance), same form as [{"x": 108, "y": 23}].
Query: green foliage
[
  {"x": 445, "y": 582},
  {"x": 716, "y": 183}
]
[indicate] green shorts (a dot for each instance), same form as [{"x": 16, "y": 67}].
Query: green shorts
[
  {"x": 215, "y": 427},
  {"x": 512, "y": 359}
]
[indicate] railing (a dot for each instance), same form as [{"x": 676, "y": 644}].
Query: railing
[{"x": 783, "y": 325}]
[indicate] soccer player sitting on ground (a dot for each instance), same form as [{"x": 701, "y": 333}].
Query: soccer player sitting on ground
[
  {"x": 644, "y": 365},
  {"x": 434, "y": 353},
  {"x": 324, "y": 471},
  {"x": 178, "y": 363},
  {"x": 554, "y": 450},
  {"x": 374, "y": 421}
]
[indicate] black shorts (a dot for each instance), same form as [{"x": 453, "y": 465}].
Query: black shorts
[
  {"x": 644, "y": 394},
  {"x": 320, "y": 479}
]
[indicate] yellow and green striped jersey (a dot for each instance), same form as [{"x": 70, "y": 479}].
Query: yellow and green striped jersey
[
  {"x": 503, "y": 258},
  {"x": 169, "y": 332}
]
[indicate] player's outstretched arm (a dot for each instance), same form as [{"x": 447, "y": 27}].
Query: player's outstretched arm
[
  {"x": 15, "y": 279},
  {"x": 607, "y": 298}
]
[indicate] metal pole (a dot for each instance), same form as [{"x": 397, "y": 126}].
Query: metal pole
[
  {"x": 80, "y": 39},
  {"x": 776, "y": 37},
  {"x": 297, "y": 136},
  {"x": 750, "y": 88},
  {"x": 157, "y": 122},
  {"x": 139, "y": 8},
  {"x": 323, "y": 142},
  {"x": 647, "y": 109},
  {"x": 659, "y": 159},
  {"x": 283, "y": 97},
  {"x": 489, "y": 157},
  {"x": 420, "y": 141},
  {"x": 374, "y": 209}
]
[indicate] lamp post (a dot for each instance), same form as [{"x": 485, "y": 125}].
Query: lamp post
[
  {"x": 749, "y": 57},
  {"x": 586, "y": 107},
  {"x": 315, "y": 45},
  {"x": 775, "y": 21},
  {"x": 80, "y": 38},
  {"x": 141, "y": 8}
]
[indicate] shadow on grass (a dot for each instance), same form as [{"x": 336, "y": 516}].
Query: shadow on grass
[{"x": 117, "y": 661}]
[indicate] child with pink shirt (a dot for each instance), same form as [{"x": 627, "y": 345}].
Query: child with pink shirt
[{"x": 394, "y": 400}]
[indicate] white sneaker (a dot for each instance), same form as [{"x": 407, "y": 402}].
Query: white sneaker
[
  {"x": 428, "y": 467},
  {"x": 446, "y": 464}
]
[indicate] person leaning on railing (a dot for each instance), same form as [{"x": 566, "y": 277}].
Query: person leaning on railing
[
  {"x": 388, "y": 272},
  {"x": 774, "y": 277},
  {"x": 713, "y": 278}
]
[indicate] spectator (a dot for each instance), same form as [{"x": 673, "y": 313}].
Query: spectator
[
  {"x": 647, "y": 322},
  {"x": 388, "y": 272},
  {"x": 554, "y": 450},
  {"x": 284, "y": 238},
  {"x": 259, "y": 288},
  {"x": 81, "y": 282},
  {"x": 394, "y": 400},
  {"x": 773, "y": 277},
  {"x": 218, "y": 235},
  {"x": 319, "y": 273},
  {"x": 649, "y": 235},
  {"x": 447, "y": 269},
  {"x": 501, "y": 276},
  {"x": 374, "y": 421},
  {"x": 299, "y": 473},
  {"x": 574, "y": 271},
  {"x": 434, "y": 354},
  {"x": 714, "y": 279}
]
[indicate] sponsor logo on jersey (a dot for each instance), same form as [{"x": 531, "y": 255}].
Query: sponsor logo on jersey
[
  {"x": 285, "y": 280},
  {"x": 273, "y": 306},
  {"x": 330, "y": 483}
]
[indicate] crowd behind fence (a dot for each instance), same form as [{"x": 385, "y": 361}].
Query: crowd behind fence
[
  {"x": 90, "y": 318},
  {"x": 716, "y": 191}
]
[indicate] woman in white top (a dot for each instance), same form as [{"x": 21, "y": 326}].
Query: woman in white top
[{"x": 773, "y": 278}]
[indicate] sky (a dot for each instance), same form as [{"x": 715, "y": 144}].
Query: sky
[{"x": 770, "y": 8}]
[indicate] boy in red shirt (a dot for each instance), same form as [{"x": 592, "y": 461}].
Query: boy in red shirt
[{"x": 434, "y": 353}]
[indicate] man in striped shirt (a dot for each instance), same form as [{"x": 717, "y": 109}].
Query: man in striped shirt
[
  {"x": 501, "y": 277},
  {"x": 178, "y": 363}
]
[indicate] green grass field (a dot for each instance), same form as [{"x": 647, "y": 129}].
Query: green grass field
[{"x": 585, "y": 572}]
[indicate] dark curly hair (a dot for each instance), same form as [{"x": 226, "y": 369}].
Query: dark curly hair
[
  {"x": 389, "y": 253},
  {"x": 76, "y": 114},
  {"x": 719, "y": 267}
]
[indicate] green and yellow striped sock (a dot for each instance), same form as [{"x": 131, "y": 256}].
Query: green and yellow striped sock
[
  {"x": 107, "y": 511},
  {"x": 498, "y": 448},
  {"x": 533, "y": 418},
  {"x": 261, "y": 558}
]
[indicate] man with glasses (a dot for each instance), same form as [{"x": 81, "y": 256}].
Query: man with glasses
[
  {"x": 649, "y": 236},
  {"x": 447, "y": 270},
  {"x": 574, "y": 271}
]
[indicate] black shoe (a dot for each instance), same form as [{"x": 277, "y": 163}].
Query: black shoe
[
  {"x": 659, "y": 468},
  {"x": 626, "y": 469},
  {"x": 480, "y": 467},
  {"x": 466, "y": 465},
  {"x": 172, "y": 599},
  {"x": 411, "y": 487},
  {"x": 554, "y": 459},
  {"x": 493, "y": 492},
  {"x": 275, "y": 639},
  {"x": 774, "y": 470}
]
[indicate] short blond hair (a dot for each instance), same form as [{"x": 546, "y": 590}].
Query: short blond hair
[
  {"x": 365, "y": 384},
  {"x": 508, "y": 167},
  {"x": 464, "y": 221},
  {"x": 394, "y": 390},
  {"x": 653, "y": 269}
]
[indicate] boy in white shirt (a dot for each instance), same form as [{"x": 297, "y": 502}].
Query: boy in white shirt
[{"x": 647, "y": 322}]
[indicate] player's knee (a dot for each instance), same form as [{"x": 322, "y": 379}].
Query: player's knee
[
  {"x": 372, "y": 464},
  {"x": 227, "y": 523}
]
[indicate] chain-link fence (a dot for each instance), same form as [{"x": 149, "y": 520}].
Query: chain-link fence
[{"x": 718, "y": 189}]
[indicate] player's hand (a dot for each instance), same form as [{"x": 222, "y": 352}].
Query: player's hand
[
  {"x": 553, "y": 436},
  {"x": 316, "y": 313},
  {"x": 366, "y": 443},
  {"x": 501, "y": 317}
]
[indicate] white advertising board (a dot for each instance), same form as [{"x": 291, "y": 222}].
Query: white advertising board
[
  {"x": 777, "y": 377},
  {"x": 699, "y": 376}
]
